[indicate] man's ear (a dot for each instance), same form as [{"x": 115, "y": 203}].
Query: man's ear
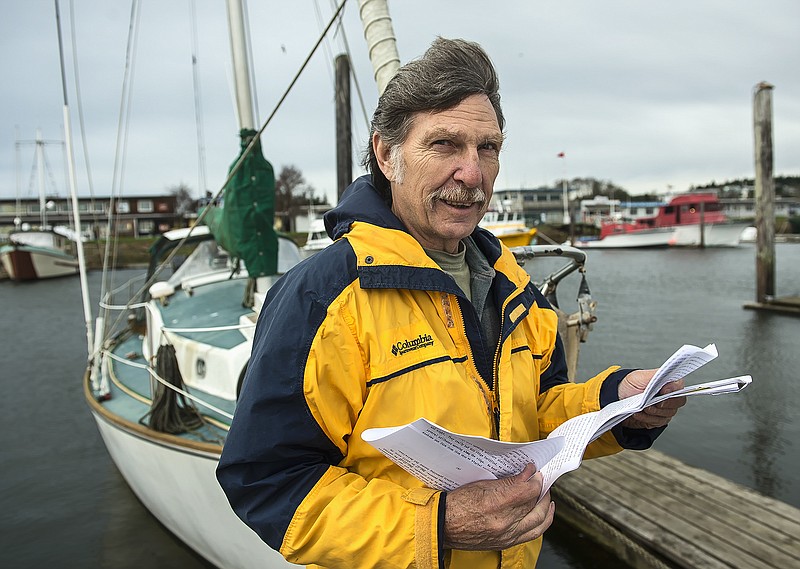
[{"x": 382, "y": 153}]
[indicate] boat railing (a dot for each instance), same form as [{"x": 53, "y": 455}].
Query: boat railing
[
  {"x": 574, "y": 328},
  {"x": 153, "y": 374},
  {"x": 576, "y": 262},
  {"x": 191, "y": 330}
]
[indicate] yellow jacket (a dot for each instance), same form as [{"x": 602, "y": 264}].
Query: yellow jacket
[{"x": 371, "y": 333}]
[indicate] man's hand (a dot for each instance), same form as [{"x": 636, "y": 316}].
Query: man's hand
[
  {"x": 496, "y": 514},
  {"x": 657, "y": 415}
]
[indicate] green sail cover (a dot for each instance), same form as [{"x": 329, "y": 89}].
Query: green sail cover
[{"x": 243, "y": 224}]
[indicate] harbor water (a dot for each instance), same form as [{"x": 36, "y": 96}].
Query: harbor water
[{"x": 63, "y": 503}]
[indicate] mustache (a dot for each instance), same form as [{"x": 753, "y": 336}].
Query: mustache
[{"x": 456, "y": 192}]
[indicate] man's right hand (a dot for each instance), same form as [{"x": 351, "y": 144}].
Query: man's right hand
[{"x": 496, "y": 514}]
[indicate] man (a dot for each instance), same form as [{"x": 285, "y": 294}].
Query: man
[{"x": 330, "y": 355}]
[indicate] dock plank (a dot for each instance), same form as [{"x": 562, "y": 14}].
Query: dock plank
[
  {"x": 635, "y": 539},
  {"x": 683, "y": 511},
  {"x": 655, "y": 511},
  {"x": 716, "y": 491}
]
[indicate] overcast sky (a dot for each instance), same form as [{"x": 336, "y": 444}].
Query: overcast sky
[{"x": 647, "y": 95}]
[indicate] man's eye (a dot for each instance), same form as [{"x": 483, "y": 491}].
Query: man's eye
[
  {"x": 442, "y": 142},
  {"x": 489, "y": 146}
]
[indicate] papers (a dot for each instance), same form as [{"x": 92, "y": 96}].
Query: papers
[{"x": 444, "y": 460}]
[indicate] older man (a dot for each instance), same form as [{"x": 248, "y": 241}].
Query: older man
[{"x": 409, "y": 261}]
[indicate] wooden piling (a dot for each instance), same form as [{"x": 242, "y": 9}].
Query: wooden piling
[
  {"x": 765, "y": 193},
  {"x": 344, "y": 158}
]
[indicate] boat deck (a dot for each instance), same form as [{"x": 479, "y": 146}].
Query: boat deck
[
  {"x": 225, "y": 297},
  {"x": 656, "y": 512}
]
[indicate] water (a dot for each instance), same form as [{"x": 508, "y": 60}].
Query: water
[
  {"x": 650, "y": 303},
  {"x": 63, "y": 504}
]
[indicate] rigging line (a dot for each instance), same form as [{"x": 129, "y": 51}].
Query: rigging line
[
  {"x": 238, "y": 164},
  {"x": 79, "y": 101},
  {"x": 33, "y": 176},
  {"x": 341, "y": 28},
  {"x": 198, "y": 106},
  {"x": 327, "y": 47},
  {"x": 124, "y": 116},
  {"x": 48, "y": 170},
  {"x": 356, "y": 148},
  {"x": 17, "y": 176},
  {"x": 65, "y": 158}
]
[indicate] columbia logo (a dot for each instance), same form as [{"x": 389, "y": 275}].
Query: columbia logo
[{"x": 421, "y": 341}]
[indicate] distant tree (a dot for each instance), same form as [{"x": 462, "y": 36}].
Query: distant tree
[
  {"x": 292, "y": 194},
  {"x": 598, "y": 188},
  {"x": 184, "y": 201}
]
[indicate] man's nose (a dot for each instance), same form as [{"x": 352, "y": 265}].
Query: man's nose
[{"x": 469, "y": 169}]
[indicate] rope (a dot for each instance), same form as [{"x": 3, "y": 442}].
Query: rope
[
  {"x": 185, "y": 394},
  {"x": 170, "y": 412}
]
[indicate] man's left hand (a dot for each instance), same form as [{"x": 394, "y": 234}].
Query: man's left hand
[{"x": 657, "y": 415}]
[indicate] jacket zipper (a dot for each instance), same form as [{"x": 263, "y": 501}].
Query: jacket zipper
[
  {"x": 496, "y": 364},
  {"x": 489, "y": 394}
]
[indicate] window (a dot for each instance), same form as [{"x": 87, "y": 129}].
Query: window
[
  {"x": 146, "y": 227},
  {"x": 144, "y": 206},
  {"x": 123, "y": 207}
]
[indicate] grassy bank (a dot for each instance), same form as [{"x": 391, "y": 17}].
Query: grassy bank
[{"x": 130, "y": 253}]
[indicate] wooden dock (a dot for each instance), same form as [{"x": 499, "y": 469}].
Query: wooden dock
[
  {"x": 783, "y": 305},
  {"x": 656, "y": 512}
]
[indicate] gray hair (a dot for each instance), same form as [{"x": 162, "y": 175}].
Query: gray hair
[{"x": 450, "y": 71}]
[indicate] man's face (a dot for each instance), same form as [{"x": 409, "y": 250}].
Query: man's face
[{"x": 447, "y": 167}]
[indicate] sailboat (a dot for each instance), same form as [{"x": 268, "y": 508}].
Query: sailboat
[
  {"x": 42, "y": 252},
  {"x": 166, "y": 363}
]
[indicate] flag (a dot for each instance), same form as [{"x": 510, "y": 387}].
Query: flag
[{"x": 561, "y": 155}]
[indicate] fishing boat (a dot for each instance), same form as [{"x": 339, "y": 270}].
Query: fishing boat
[
  {"x": 42, "y": 252},
  {"x": 508, "y": 226},
  {"x": 39, "y": 254},
  {"x": 169, "y": 351},
  {"x": 692, "y": 219}
]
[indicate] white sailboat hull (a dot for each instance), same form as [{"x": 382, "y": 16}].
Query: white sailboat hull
[{"x": 177, "y": 484}]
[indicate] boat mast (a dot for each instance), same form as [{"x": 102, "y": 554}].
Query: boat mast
[
  {"x": 40, "y": 171},
  {"x": 87, "y": 311},
  {"x": 381, "y": 41},
  {"x": 241, "y": 68}
]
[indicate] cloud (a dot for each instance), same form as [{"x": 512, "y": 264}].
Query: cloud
[{"x": 645, "y": 95}]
